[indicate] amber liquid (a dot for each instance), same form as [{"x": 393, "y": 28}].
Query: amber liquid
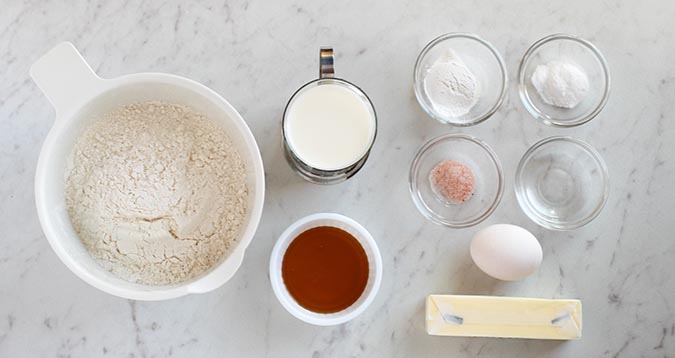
[{"x": 325, "y": 269}]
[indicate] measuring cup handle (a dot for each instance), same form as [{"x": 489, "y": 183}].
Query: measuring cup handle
[
  {"x": 65, "y": 78},
  {"x": 326, "y": 60}
]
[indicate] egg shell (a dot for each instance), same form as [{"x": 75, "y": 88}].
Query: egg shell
[{"x": 506, "y": 252}]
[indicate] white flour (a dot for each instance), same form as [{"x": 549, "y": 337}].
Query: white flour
[
  {"x": 156, "y": 192},
  {"x": 560, "y": 84},
  {"x": 451, "y": 86}
]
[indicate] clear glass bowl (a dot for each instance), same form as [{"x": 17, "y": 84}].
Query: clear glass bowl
[
  {"x": 483, "y": 61},
  {"x": 485, "y": 166},
  {"x": 567, "y": 48},
  {"x": 562, "y": 183}
]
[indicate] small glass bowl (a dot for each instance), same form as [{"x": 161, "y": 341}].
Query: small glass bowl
[
  {"x": 483, "y": 61},
  {"x": 568, "y": 48},
  {"x": 485, "y": 166},
  {"x": 562, "y": 183}
]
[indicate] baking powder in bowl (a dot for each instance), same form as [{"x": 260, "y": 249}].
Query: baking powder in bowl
[
  {"x": 156, "y": 192},
  {"x": 451, "y": 86}
]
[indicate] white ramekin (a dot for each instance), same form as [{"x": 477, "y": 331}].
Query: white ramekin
[
  {"x": 340, "y": 222},
  {"x": 79, "y": 95}
]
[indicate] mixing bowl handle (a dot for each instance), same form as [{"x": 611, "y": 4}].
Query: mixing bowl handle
[{"x": 65, "y": 78}]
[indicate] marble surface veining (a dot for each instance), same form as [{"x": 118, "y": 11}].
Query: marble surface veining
[{"x": 256, "y": 54}]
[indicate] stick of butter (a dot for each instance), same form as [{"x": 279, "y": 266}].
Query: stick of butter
[{"x": 506, "y": 317}]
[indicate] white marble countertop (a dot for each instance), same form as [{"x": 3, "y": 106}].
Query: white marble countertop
[{"x": 256, "y": 54}]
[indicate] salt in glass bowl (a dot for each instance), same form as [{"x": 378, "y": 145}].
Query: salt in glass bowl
[
  {"x": 575, "y": 50},
  {"x": 562, "y": 183},
  {"x": 481, "y": 58},
  {"x": 484, "y": 164}
]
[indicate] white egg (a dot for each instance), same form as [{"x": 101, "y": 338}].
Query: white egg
[{"x": 506, "y": 252}]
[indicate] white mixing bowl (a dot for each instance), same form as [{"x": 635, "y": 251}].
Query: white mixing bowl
[{"x": 79, "y": 96}]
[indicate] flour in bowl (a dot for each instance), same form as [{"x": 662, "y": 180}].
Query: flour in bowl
[{"x": 156, "y": 192}]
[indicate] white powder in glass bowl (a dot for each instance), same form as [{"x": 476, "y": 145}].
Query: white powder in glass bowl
[
  {"x": 561, "y": 84},
  {"x": 451, "y": 87},
  {"x": 156, "y": 192}
]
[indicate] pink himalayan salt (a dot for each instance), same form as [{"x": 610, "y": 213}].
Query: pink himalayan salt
[{"x": 452, "y": 181}]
